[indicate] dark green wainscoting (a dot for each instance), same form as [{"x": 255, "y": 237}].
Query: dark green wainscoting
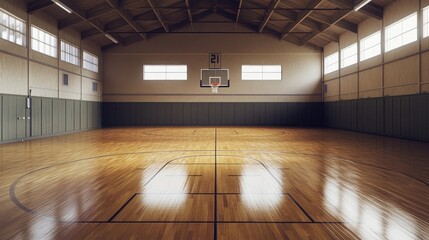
[
  {"x": 205, "y": 114},
  {"x": 47, "y": 116},
  {"x": 399, "y": 116}
]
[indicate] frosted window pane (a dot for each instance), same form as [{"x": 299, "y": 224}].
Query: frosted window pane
[
  {"x": 155, "y": 68},
  {"x": 404, "y": 34},
  {"x": 251, "y": 76},
  {"x": 176, "y": 76},
  {"x": 154, "y": 76},
  {"x": 177, "y": 68},
  {"x": 272, "y": 76},
  {"x": 251, "y": 68}
]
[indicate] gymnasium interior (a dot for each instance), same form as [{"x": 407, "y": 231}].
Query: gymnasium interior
[{"x": 214, "y": 119}]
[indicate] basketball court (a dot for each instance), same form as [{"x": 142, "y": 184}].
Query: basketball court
[{"x": 213, "y": 119}]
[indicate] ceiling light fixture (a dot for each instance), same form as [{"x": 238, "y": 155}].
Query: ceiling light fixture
[
  {"x": 111, "y": 38},
  {"x": 61, "y": 5},
  {"x": 361, "y": 4}
]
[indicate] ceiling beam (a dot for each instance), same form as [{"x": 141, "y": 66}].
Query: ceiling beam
[
  {"x": 238, "y": 10},
  {"x": 108, "y": 27},
  {"x": 36, "y": 6},
  {"x": 189, "y": 10},
  {"x": 308, "y": 22},
  {"x": 334, "y": 20},
  {"x": 370, "y": 9},
  {"x": 81, "y": 14},
  {"x": 349, "y": 26},
  {"x": 268, "y": 13},
  {"x": 125, "y": 15},
  {"x": 301, "y": 16},
  {"x": 373, "y": 10},
  {"x": 91, "y": 14},
  {"x": 158, "y": 14}
]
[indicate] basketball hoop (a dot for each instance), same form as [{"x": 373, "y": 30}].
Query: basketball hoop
[{"x": 215, "y": 86}]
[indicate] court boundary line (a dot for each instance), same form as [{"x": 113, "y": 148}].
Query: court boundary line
[
  {"x": 35, "y": 212},
  {"x": 122, "y": 208},
  {"x": 215, "y": 189}
]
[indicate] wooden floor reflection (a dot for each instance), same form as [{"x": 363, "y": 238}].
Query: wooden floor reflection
[{"x": 214, "y": 183}]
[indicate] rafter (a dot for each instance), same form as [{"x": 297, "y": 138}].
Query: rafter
[
  {"x": 334, "y": 20},
  {"x": 188, "y": 10},
  {"x": 158, "y": 14},
  {"x": 124, "y": 14},
  {"x": 238, "y": 10},
  {"x": 108, "y": 27},
  {"x": 308, "y": 22},
  {"x": 373, "y": 10},
  {"x": 349, "y": 26},
  {"x": 91, "y": 14},
  {"x": 268, "y": 14},
  {"x": 36, "y": 6},
  {"x": 173, "y": 27},
  {"x": 301, "y": 16},
  {"x": 82, "y": 15},
  {"x": 370, "y": 9}
]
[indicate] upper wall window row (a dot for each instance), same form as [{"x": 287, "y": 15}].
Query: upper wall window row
[
  {"x": 261, "y": 72},
  {"x": 90, "y": 62},
  {"x": 370, "y": 46},
  {"x": 331, "y": 63},
  {"x": 43, "y": 42},
  {"x": 12, "y": 29},
  {"x": 401, "y": 32},
  {"x": 165, "y": 72},
  {"x": 69, "y": 53},
  {"x": 349, "y": 55},
  {"x": 426, "y": 22}
]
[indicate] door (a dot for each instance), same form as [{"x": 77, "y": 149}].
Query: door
[
  {"x": 15, "y": 120},
  {"x": 22, "y": 119}
]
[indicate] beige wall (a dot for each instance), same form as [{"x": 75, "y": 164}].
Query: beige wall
[
  {"x": 401, "y": 71},
  {"x": 22, "y": 69},
  {"x": 123, "y": 69},
  {"x": 13, "y": 75}
]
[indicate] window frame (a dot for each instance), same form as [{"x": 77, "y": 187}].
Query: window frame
[
  {"x": 327, "y": 60},
  {"x": 425, "y": 19},
  {"x": 90, "y": 64},
  {"x": 365, "y": 49},
  {"x": 14, "y": 29},
  {"x": 165, "y": 72},
  {"x": 49, "y": 42},
  {"x": 354, "y": 55},
  {"x": 389, "y": 38},
  {"x": 262, "y": 72},
  {"x": 63, "y": 52}
]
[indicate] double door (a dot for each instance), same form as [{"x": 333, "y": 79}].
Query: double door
[{"x": 16, "y": 123}]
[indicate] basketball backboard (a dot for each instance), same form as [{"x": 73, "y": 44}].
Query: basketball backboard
[{"x": 218, "y": 75}]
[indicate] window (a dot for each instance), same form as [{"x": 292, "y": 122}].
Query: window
[
  {"x": 331, "y": 63},
  {"x": 349, "y": 55},
  {"x": 43, "y": 42},
  {"x": 69, "y": 53},
  {"x": 370, "y": 46},
  {"x": 65, "y": 79},
  {"x": 261, "y": 72},
  {"x": 90, "y": 62},
  {"x": 401, "y": 32},
  {"x": 12, "y": 29},
  {"x": 426, "y": 22},
  {"x": 94, "y": 86},
  {"x": 165, "y": 72}
]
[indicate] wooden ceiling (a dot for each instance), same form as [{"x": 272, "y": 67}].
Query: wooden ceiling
[{"x": 313, "y": 23}]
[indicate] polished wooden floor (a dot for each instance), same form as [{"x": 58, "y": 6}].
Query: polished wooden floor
[{"x": 214, "y": 183}]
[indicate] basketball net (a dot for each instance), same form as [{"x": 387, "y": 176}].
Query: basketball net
[{"x": 215, "y": 86}]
